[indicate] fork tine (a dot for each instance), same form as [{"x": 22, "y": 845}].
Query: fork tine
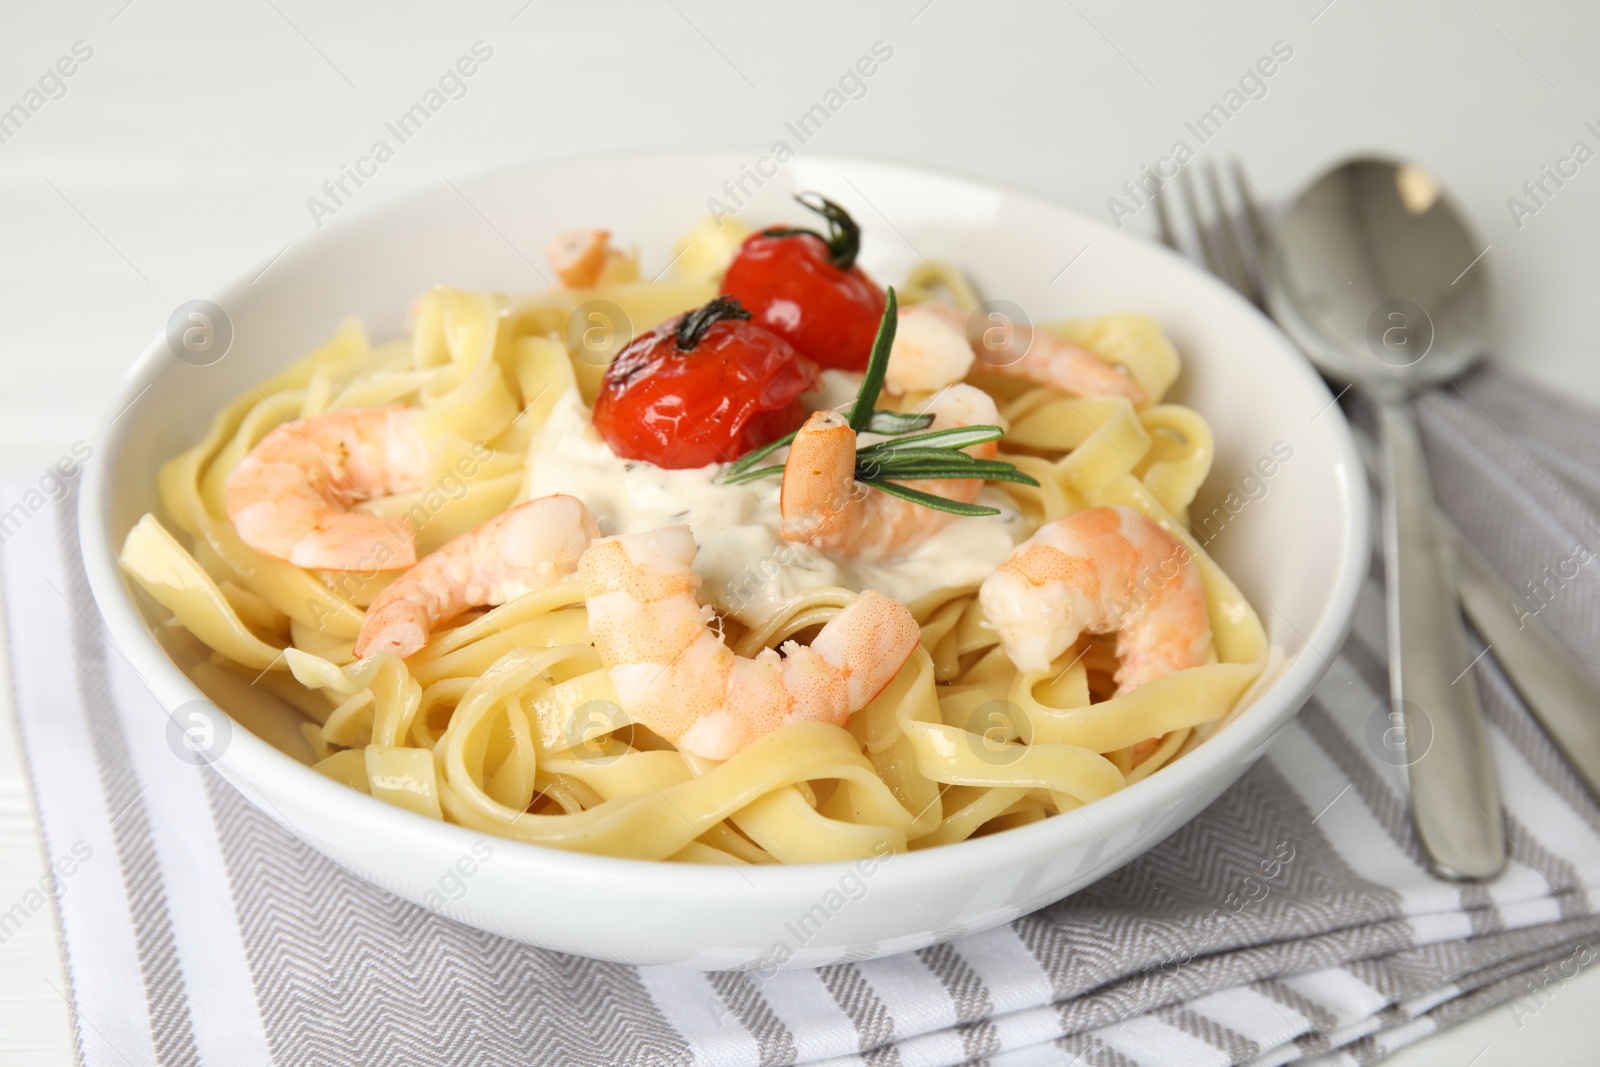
[
  {"x": 1208, "y": 252},
  {"x": 1254, "y": 232},
  {"x": 1233, "y": 271},
  {"x": 1169, "y": 236}
]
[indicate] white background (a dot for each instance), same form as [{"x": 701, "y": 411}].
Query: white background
[{"x": 184, "y": 151}]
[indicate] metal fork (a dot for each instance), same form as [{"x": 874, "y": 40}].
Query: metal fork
[
  {"x": 1237, "y": 254},
  {"x": 1234, "y": 245}
]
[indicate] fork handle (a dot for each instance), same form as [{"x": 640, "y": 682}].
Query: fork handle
[{"x": 1455, "y": 800}]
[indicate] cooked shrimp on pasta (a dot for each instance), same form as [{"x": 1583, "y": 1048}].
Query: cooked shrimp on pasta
[{"x": 810, "y": 567}]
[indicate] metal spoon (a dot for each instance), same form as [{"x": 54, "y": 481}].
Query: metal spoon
[
  {"x": 1551, "y": 683},
  {"x": 1377, "y": 278}
]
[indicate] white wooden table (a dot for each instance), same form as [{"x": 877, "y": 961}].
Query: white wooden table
[{"x": 181, "y": 152}]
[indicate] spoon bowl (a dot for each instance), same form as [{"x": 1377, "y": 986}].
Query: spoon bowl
[{"x": 1380, "y": 278}]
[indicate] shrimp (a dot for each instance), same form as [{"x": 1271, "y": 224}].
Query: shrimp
[
  {"x": 674, "y": 675},
  {"x": 930, "y": 350},
  {"x": 1104, "y": 570},
  {"x": 824, "y": 506},
  {"x": 579, "y": 256},
  {"x": 522, "y": 550},
  {"x": 290, "y": 496},
  {"x": 928, "y": 359}
]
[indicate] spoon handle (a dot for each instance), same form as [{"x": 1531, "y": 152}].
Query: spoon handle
[
  {"x": 1455, "y": 800},
  {"x": 1557, "y": 691}
]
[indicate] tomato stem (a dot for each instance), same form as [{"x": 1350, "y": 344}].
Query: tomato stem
[
  {"x": 693, "y": 326},
  {"x": 844, "y": 235}
]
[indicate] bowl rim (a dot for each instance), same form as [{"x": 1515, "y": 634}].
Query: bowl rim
[{"x": 249, "y": 758}]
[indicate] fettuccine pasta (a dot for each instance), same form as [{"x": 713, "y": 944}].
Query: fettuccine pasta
[{"x": 508, "y": 720}]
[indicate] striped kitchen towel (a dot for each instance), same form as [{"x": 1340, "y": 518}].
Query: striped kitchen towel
[{"x": 1293, "y": 918}]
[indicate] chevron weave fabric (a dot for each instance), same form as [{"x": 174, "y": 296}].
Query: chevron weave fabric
[{"x": 1291, "y": 919}]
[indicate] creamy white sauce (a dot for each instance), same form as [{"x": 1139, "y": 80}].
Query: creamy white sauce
[{"x": 747, "y": 568}]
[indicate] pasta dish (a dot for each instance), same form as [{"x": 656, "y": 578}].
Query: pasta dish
[{"x": 758, "y": 562}]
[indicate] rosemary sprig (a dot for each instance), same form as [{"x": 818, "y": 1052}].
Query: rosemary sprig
[
  {"x": 877, "y": 364},
  {"x": 956, "y": 437},
  {"x": 884, "y": 422},
  {"x": 1011, "y": 475},
  {"x": 892, "y": 422},
  {"x": 943, "y": 456},
  {"x": 937, "y": 503},
  {"x": 912, "y": 452},
  {"x": 729, "y": 478}
]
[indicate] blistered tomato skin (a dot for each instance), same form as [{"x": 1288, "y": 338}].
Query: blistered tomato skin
[
  {"x": 793, "y": 289},
  {"x": 738, "y": 388}
]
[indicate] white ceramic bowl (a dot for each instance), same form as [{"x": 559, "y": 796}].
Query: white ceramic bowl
[{"x": 1298, "y": 549}]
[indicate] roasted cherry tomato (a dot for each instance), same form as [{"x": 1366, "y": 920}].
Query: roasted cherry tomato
[
  {"x": 703, "y": 388},
  {"x": 807, "y": 289}
]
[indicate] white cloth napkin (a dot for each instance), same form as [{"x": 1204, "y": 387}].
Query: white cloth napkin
[{"x": 1292, "y": 918}]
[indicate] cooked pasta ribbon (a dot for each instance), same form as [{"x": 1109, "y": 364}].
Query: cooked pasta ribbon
[{"x": 506, "y": 721}]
